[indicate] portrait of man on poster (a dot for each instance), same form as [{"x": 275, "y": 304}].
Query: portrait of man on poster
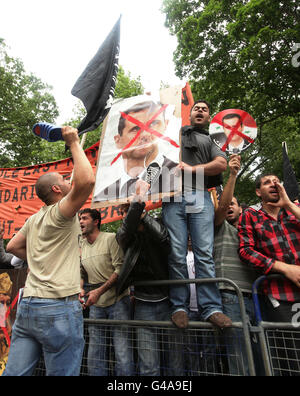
[
  {"x": 141, "y": 141},
  {"x": 233, "y": 130}
]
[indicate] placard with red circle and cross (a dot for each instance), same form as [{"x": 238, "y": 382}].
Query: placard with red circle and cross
[{"x": 233, "y": 130}]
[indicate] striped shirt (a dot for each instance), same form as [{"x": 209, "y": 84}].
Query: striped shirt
[
  {"x": 263, "y": 240},
  {"x": 227, "y": 262}
]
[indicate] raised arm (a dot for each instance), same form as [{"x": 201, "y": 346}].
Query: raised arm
[
  {"x": 228, "y": 192},
  {"x": 130, "y": 224},
  {"x": 83, "y": 175}
]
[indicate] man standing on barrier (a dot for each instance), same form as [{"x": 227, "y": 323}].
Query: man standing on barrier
[
  {"x": 145, "y": 242},
  {"x": 101, "y": 259},
  {"x": 193, "y": 212},
  {"x": 49, "y": 317}
]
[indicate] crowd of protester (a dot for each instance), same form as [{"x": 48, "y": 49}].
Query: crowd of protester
[{"x": 224, "y": 241}]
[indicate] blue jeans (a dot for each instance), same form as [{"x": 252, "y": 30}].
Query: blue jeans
[
  {"x": 99, "y": 340},
  {"x": 52, "y": 327},
  {"x": 148, "y": 337},
  {"x": 235, "y": 345},
  {"x": 182, "y": 218}
]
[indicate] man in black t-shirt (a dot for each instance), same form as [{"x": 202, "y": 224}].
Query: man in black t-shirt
[{"x": 193, "y": 213}]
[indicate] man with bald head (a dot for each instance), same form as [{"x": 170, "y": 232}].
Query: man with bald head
[
  {"x": 50, "y": 316},
  {"x": 45, "y": 187}
]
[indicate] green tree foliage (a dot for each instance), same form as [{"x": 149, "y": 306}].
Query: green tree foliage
[
  {"x": 24, "y": 100},
  {"x": 266, "y": 155},
  {"x": 239, "y": 54},
  {"x": 127, "y": 86}
]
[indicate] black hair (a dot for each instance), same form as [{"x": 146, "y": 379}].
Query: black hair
[
  {"x": 201, "y": 101},
  {"x": 230, "y": 116},
  {"x": 136, "y": 109},
  {"x": 94, "y": 213},
  {"x": 260, "y": 177},
  {"x": 237, "y": 201}
]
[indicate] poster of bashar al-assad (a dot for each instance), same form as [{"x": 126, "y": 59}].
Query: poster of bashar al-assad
[
  {"x": 140, "y": 140},
  {"x": 233, "y": 130}
]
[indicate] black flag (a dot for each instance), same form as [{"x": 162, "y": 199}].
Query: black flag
[
  {"x": 289, "y": 178},
  {"x": 96, "y": 85}
]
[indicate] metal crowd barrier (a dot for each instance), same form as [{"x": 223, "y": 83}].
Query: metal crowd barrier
[
  {"x": 280, "y": 341},
  {"x": 199, "y": 350},
  {"x": 204, "y": 350}
]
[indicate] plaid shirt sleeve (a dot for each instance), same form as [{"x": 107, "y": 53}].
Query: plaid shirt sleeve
[{"x": 248, "y": 249}]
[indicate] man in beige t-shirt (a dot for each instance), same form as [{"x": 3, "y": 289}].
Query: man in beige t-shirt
[
  {"x": 101, "y": 260},
  {"x": 49, "y": 317}
]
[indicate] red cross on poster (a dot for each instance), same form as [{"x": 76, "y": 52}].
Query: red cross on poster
[
  {"x": 233, "y": 130},
  {"x": 140, "y": 141}
]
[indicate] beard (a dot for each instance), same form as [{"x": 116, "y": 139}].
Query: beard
[
  {"x": 86, "y": 231},
  {"x": 272, "y": 198}
]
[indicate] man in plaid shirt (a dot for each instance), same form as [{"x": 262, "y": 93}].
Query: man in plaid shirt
[{"x": 270, "y": 242}]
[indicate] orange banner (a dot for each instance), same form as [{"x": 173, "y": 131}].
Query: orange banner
[
  {"x": 18, "y": 200},
  {"x": 187, "y": 102}
]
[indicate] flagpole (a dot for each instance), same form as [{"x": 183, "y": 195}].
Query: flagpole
[
  {"x": 83, "y": 140},
  {"x": 285, "y": 146},
  {"x": 81, "y": 144}
]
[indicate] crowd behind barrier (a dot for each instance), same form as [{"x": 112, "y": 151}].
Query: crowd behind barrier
[
  {"x": 202, "y": 349},
  {"x": 156, "y": 330},
  {"x": 244, "y": 348}
]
